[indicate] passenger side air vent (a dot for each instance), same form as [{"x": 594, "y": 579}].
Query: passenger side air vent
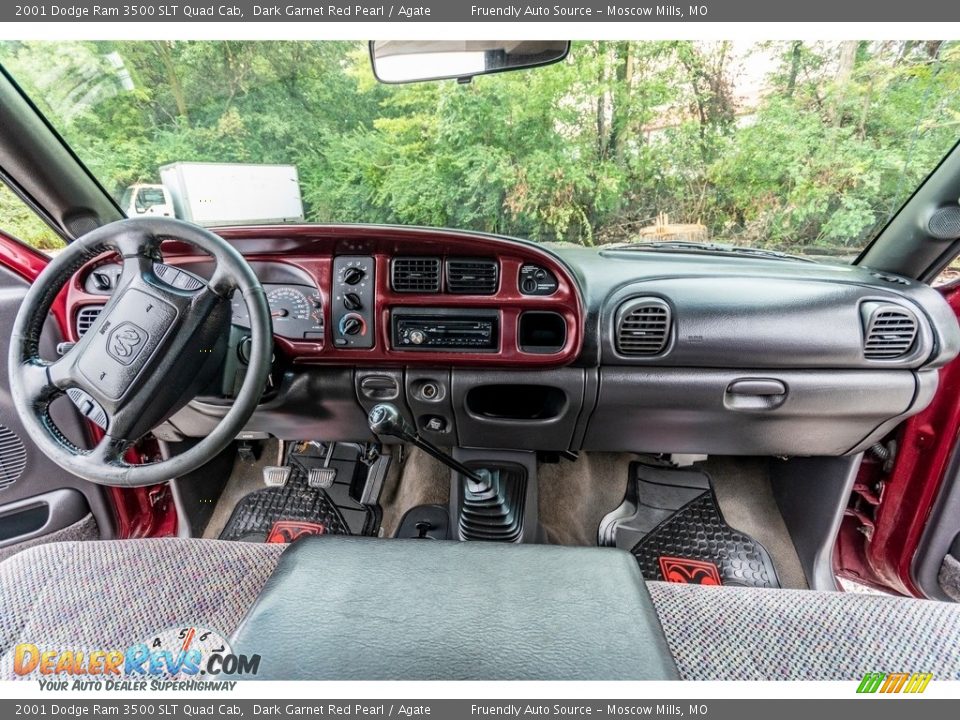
[
  {"x": 642, "y": 327},
  {"x": 415, "y": 274},
  {"x": 86, "y": 317},
  {"x": 889, "y": 331},
  {"x": 472, "y": 277}
]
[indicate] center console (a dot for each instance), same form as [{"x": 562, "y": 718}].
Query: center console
[{"x": 423, "y": 610}]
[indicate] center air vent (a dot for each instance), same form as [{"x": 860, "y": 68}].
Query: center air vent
[
  {"x": 86, "y": 317},
  {"x": 889, "y": 331},
  {"x": 472, "y": 277},
  {"x": 643, "y": 327},
  {"x": 415, "y": 274}
]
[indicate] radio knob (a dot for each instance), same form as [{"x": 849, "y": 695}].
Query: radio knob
[
  {"x": 353, "y": 275},
  {"x": 351, "y": 324},
  {"x": 417, "y": 337}
]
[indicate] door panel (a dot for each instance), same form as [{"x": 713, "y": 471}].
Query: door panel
[{"x": 37, "y": 497}]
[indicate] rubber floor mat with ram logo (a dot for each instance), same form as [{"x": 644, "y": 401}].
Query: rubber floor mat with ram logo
[{"x": 671, "y": 522}]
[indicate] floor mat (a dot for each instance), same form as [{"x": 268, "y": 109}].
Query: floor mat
[
  {"x": 283, "y": 514},
  {"x": 255, "y": 516},
  {"x": 672, "y": 524}
]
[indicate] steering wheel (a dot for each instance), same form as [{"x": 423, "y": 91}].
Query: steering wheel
[{"x": 154, "y": 345}]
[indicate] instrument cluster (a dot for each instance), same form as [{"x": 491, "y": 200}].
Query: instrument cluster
[{"x": 297, "y": 311}]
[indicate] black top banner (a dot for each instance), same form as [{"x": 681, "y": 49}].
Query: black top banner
[{"x": 639, "y": 11}]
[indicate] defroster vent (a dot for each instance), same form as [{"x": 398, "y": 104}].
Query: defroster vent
[{"x": 643, "y": 327}]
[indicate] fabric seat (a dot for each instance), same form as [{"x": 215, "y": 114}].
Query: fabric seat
[
  {"x": 100, "y": 595},
  {"x": 106, "y": 594},
  {"x": 738, "y": 633}
]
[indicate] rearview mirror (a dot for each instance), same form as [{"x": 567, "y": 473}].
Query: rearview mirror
[{"x": 403, "y": 61}]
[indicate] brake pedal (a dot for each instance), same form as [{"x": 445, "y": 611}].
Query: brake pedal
[
  {"x": 276, "y": 475},
  {"x": 321, "y": 477}
]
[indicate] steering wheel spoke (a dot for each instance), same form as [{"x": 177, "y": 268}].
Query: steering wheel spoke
[
  {"x": 109, "y": 451},
  {"x": 136, "y": 241},
  {"x": 62, "y": 373},
  {"x": 222, "y": 283},
  {"x": 36, "y": 384},
  {"x": 135, "y": 268}
]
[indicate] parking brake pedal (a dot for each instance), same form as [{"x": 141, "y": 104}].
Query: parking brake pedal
[{"x": 276, "y": 475}]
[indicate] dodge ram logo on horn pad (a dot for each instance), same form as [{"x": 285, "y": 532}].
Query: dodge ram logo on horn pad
[{"x": 125, "y": 342}]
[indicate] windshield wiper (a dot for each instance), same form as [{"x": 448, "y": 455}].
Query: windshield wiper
[{"x": 707, "y": 247}]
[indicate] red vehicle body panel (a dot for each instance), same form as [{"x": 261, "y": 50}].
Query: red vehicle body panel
[{"x": 882, "y": 531}]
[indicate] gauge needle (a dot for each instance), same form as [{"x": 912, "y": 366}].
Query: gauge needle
[{"x": 279, "y": 313}]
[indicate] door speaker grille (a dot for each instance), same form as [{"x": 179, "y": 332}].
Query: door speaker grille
[{"x": 13, "y": 457}]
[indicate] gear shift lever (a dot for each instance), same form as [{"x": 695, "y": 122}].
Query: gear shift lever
[{"x": 385, "y": 419}]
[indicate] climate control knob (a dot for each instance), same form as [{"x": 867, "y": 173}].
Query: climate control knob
[
  {"x": 351, "y": 301},
  {"x": 351, "y": 324},
  {"x": 353, "y": 275}
]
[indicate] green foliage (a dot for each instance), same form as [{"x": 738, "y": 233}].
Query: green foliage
[
  {"x": 21, "y": 222},
  {"x": 585, "y": 151}
]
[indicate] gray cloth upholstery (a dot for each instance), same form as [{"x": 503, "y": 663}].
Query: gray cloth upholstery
[
  {"x": 110, "y": 594},
  {"x": 432, "y": 610},
  {"x": 543, "y": 610},
  {"x": 733, "y": 633}
]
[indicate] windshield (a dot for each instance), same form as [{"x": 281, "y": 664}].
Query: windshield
[{"x": 802, "y": 147}]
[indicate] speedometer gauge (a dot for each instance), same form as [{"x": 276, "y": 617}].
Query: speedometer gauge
[
  {"x": 287, "y": 304},
  {"x": 296, "y": 311}
]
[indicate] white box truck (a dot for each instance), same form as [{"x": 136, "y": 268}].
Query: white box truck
[{"x": 218, "y": 194}]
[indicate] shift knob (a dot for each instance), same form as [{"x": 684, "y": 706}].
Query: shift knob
[{"x": 385, "y": 419}]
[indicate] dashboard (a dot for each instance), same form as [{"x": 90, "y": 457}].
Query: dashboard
[
  {"x": 485, "y": 341},
  {"x": 387, "y": 295}
]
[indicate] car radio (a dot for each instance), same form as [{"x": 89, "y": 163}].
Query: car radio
[{"x": 446, "y": 329}]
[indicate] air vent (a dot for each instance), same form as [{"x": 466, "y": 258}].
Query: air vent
[
  {"x": 13, "y": 457},
  {"x": 415, "y": 274},
  {"x": 890, "y": 331},
  {"x": 643, "y": 327},
  {"x": 86, "y": 317},
  {"x": 472, "y": 277}
]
